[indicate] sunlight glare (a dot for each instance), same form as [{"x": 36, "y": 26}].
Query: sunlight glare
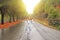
[{"x": 30, "y": 4}]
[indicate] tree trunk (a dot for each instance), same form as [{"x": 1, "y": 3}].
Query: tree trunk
[
  {"x": 2, "y": 18},
  {"x": 13, "y": 19},
  {"x": 10, "y": 19}
]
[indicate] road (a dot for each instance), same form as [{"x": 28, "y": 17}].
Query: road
[{"x": 30, "y": 30}]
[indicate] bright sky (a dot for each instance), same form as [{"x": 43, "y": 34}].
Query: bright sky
[{"x": 30, "y": 4}]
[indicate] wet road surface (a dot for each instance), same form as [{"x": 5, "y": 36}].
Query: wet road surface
[{"x": 30, "y": 30}]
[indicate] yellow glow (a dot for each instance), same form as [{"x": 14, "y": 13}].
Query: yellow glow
[{"x": 30, "y": 4}]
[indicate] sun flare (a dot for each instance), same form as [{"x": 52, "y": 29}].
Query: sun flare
[{"x": 30, "y": 4}]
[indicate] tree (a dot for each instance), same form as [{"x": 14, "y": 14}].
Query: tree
[
  {"x": 49, "y": 7},
  {"x": 3, "y": 10}
]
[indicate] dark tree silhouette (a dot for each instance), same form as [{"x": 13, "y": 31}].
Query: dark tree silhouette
[{"x": 3, "y": 11}]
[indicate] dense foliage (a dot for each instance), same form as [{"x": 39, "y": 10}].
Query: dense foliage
[
  {"x": 51, "y": 8},
  {"x": 13, "y": 8}
]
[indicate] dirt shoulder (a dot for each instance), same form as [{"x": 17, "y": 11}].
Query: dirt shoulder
[{"x": 45, "y": 22}]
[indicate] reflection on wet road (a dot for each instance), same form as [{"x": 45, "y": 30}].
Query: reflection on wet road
[{"x": 30, "y": 30}]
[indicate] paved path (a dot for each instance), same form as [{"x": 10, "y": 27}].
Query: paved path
[
  {"x": 31, "y": 30},
  {"x": 47, "y": 33}
]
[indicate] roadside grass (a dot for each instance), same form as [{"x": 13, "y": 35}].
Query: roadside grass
[{"x": 47, "y": 25}]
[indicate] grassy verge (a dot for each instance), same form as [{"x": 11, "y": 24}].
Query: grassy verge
[{"x": 46, "y": 24}]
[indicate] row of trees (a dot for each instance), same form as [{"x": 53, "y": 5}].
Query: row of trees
[
  {"x": 12, "y": 10},
  {"x": 49, "y": 10}
]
